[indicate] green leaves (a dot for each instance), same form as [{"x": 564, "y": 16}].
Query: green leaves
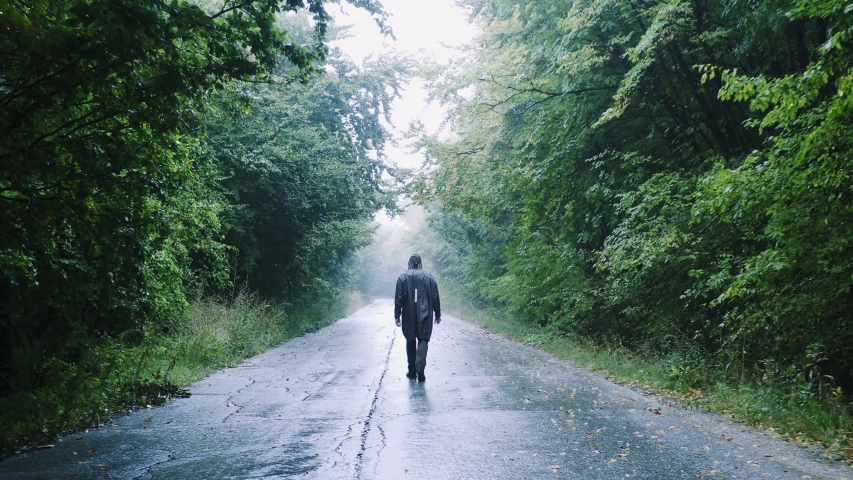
[
  {"x": 302, "y": 168},
  {"x": 112, "y": 208},
  {"x": 697, "y": 205}
]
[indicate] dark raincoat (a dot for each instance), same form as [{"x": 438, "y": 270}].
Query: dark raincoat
[{"x": 420, "y": 311}]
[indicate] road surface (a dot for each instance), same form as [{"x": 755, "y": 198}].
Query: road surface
[{"x": 335, "y": 404}]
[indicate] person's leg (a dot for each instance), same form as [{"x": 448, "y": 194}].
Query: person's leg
[
  {"x": 420, "y": 358},
  {"x": 411, "y": 354}
]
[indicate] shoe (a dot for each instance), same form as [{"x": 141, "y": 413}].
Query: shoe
[
  {"x": 411, "y": 374},
  {"x": 421, "y": 377}
]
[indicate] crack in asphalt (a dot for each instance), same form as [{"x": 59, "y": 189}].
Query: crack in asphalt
[
  {"x": 209, "y": 455},
  {"x": 382, "y": 446},
  {"x": 509, "y": 412},
  {"x": 148, "y": 469},
  {"x": 366, "y": 430},
  {"x": 343, "y": 439}
]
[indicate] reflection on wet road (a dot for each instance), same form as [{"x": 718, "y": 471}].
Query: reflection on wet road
[{"x": 336, "y": 404}]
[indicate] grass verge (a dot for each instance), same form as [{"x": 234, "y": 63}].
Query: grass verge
[
  {"x": 121, "y": 374},
  {"x": 793, "y": 411},
  {"x": 219, "y": 334}
]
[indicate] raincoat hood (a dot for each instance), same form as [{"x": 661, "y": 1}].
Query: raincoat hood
[{"x": 415, "y": 262}]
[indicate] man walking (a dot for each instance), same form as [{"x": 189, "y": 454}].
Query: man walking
[{"x": 416, "y": 299}]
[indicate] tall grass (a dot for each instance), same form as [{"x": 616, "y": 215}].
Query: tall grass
[
  {"x": 117, "y": 374},
  {"x": 794, "y": 410},
  {"x": 221, "y": 332}
]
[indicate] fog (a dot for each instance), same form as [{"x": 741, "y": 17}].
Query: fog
[{"x": 395, "y": 241}]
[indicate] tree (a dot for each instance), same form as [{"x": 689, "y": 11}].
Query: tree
[
  {"x": 302, "y": 170},
  {"x": 625, "y": 187},
  {"x": 101, "y": 194}
]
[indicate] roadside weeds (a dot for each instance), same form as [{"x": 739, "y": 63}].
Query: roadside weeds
[
  {"x": 792, "y": 414},
  {"x": 119, "y": 376}
]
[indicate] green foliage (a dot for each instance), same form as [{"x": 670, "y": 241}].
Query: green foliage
[
  {"x": 104, "y": 199},
  {"x": 109, "y": 379},
  {"x": 672, "y": 176},
  {"x": 787, "y": 404},
  {"x": 154, "y": 151},
  {"x": 793, "y": 196},
  {"x": 217, "y": 333},
  {"x": 302, "y": 168}
]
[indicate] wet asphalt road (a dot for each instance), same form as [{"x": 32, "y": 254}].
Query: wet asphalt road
[{"x": 335, "y": 404}]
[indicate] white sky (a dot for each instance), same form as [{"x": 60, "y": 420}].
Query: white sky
[
  {"x": 434, "y": 28},
  {"x": 422, "y": 27}
]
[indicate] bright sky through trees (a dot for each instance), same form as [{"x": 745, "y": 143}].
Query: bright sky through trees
[{"x": 435, "y": 29}]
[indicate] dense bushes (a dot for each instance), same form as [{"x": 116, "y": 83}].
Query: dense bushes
[{"x": 672, "y": 176}]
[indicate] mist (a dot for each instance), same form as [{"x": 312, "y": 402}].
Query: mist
[{"x": 382, "y": 262}]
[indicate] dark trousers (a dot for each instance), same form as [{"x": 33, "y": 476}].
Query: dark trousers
[{"x": 417, "y": 353}]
